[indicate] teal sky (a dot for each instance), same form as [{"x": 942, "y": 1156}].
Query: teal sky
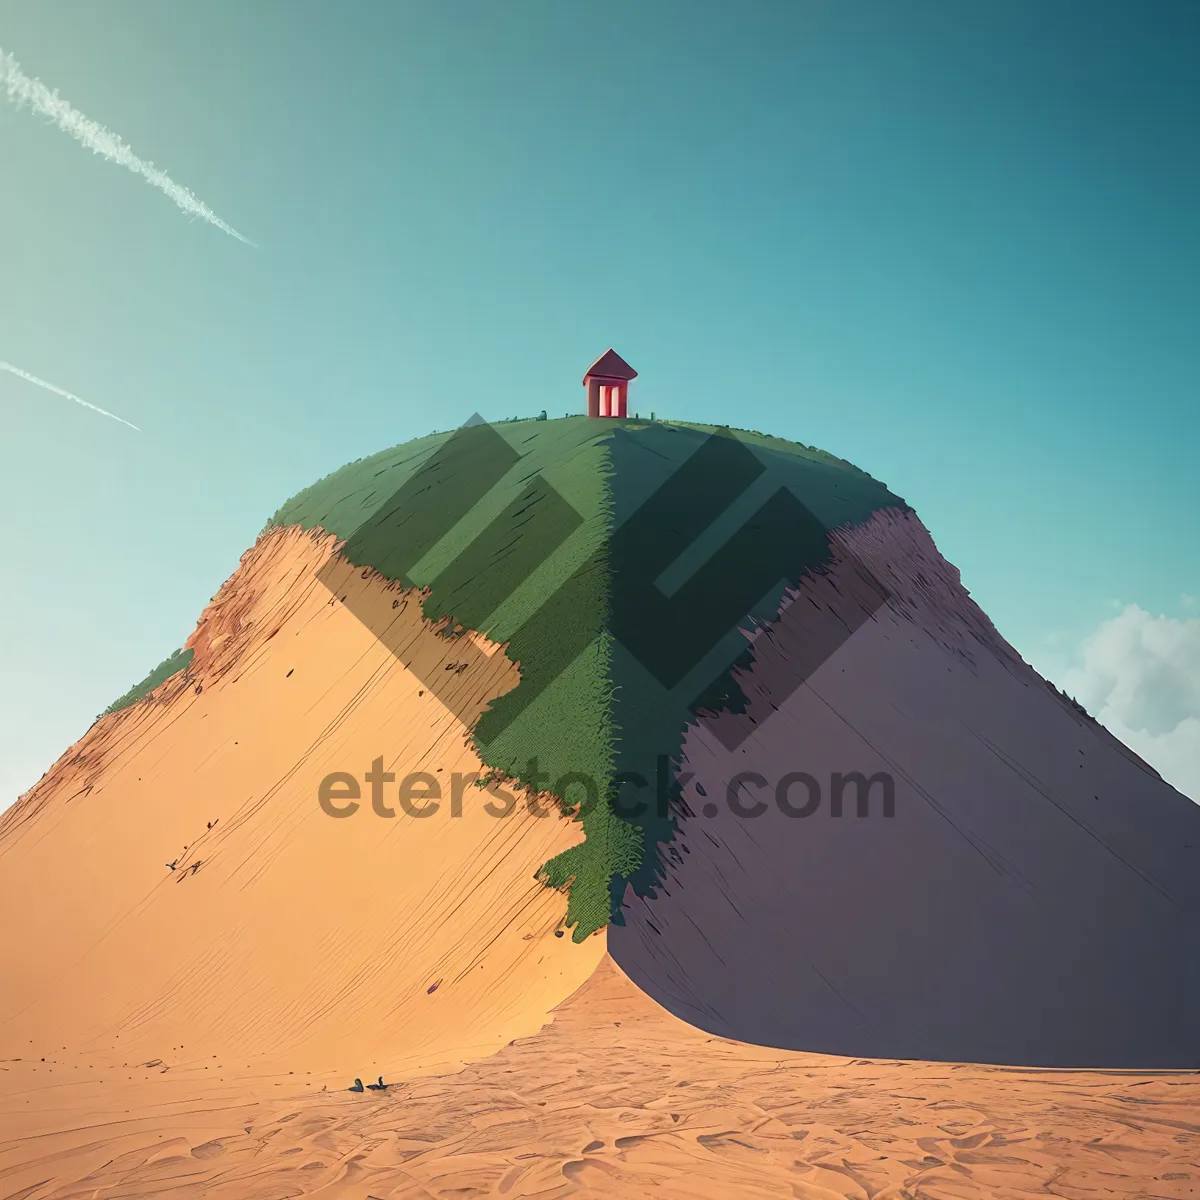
[{"x": 957, "y": 244}]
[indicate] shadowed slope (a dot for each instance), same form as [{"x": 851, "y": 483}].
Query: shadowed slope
[{"x": 1034, "y": 899}]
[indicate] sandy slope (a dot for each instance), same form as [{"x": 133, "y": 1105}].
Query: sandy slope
[
  {"x": 284, "y": 940},
  {"x": 1033, "y": 900},
  {"x": 615, "y": 1098}
]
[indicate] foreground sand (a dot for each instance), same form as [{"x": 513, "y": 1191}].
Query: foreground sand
[{"x": 615, "y": 1098}]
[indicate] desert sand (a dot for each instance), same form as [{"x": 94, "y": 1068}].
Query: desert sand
[{"x": 615, "y": 1098}]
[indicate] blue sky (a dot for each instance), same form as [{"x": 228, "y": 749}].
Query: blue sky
[{"x": 957, "y": 244}]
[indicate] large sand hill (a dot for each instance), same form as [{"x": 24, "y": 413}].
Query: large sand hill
[{"x": 193, "y": 1031}]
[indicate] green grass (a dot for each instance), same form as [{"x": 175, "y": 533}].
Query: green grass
[
  {"x": 512, "y": 532},
  {"x": 179, "y": 661},
  {"x": 524, "y": 561}
]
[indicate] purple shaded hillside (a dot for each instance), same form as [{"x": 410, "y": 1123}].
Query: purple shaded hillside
[{"x": 1034, "y": 899}]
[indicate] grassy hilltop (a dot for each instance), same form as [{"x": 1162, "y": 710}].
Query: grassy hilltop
[{"x": 607, "y": 555}]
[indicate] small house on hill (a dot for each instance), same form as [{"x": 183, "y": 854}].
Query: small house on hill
[{"x": 607, "y": 383}]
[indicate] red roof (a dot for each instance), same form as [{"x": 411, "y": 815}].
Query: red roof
[{"x": 610, "y": 365}]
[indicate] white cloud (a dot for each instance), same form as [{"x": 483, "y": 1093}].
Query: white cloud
[
  {"x": 1140, "y": 675},
  {"x": 22, "y": 90}
]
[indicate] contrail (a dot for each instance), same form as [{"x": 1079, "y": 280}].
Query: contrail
[
  {"x": 59, "y": 392},
  {"x": 22, "y": 90}
]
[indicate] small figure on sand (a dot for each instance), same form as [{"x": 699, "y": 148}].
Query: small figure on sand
[
  {"x": 172, "y": 864},
  {"x": 358, "y": 1087},
  {"x": 378, "y": 1087}
]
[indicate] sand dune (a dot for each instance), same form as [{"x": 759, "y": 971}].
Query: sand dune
[
  {"x": 615, "y": 1098},
  {"x": 198, "y": 959},
  {"x": 283, "y": 939}
]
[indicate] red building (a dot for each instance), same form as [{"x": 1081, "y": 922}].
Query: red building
[{"x": 607, "y": 383}]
